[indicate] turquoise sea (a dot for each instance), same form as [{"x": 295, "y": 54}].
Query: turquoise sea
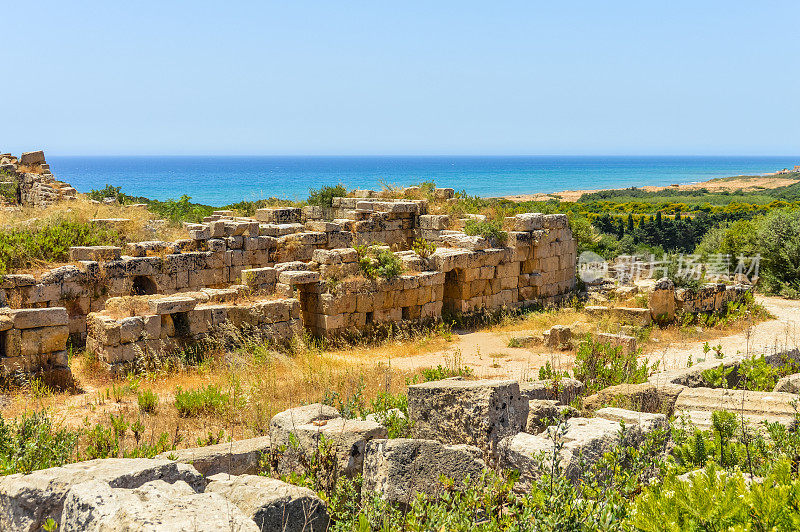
[{"x": 222, "y": 180}]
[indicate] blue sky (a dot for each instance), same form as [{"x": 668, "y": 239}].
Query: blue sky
[{"x": 375, "y": 77}]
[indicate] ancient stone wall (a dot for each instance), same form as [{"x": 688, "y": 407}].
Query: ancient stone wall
[
  {"x": 34, "y": 339},
  {"x": 33, "y": 184},
  {"x": 283, "y": 252},
  {"x": 163, "y": 323}
]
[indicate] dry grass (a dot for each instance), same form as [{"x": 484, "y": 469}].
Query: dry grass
[
  {"x": 141, "y": 227},
  {"x": 260, "y": 384}
]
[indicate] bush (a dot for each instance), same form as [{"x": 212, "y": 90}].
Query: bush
[
  {"x": 194, "y": 403},
  {"x": 378, "y": 262},
  {"x": 148, "y": 401},
  {"x": 323, "y": 196},
  {"x": 50, "y": 242},
  {"x": 599, "y": 365},
  {"x": 423, "y": 248},
  {"x": 106, "y": 192},
  {"x": 490, "y": 230},
  {"x": 32, "y": 443}
]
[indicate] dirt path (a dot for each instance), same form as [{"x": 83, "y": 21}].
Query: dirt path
[{"x": 489, "y": 355}]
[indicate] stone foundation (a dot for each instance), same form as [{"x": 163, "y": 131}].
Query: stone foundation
[{"x": 308, "y": 255}]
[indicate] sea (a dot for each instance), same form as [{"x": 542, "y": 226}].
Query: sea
[{"x": 221, "y": 180}]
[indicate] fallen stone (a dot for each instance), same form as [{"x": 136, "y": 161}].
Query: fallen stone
[
  {"x": 700, "y": 403},
  {"x": 563, "y": 390},
  {"x": 557, "y": 337},
  {"x": 272, "y": 504},
  {"x": 397, "y": 469},
  {"x": 584, "y": 441},
  {"x": 154, "y": 506},
  {"x": 788, "y": 384},
  {"x": 646, "y": 421},
  {"x": 27, "y": 501},
  {"x": 479, "y": 413},
  {"x": 644, "y": 397},
  {"x": 545, "y": 412},
  {"x": 236, "y": 457}
]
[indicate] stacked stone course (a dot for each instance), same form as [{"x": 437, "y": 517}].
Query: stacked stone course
[{"x": 308, "y": 254}]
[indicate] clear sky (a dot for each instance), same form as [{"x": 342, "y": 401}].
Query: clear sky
[{"x": 414, "y": 77}]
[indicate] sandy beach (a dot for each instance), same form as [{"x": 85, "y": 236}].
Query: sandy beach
[{"x": 746, "y": 183}]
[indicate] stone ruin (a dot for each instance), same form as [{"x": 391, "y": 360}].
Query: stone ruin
[
  {"x": 31, "y": 184},
  {"x": 289, "y": 270},
  {"x": 459, "y": 429}
]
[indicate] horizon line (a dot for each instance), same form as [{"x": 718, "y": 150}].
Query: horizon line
[{"x": 423, "y": 155}]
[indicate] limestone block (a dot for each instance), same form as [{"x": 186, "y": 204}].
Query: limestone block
[
  {"x": 237, "y": 457},
  {"x": 754, "y": 406},
  {"x": 434, "y": 221},
  {"x": 585, "y": 441},
  {"x": 26, "y": 501},
  {"x": 288, "y": 422},
  {"x": 661, "y": 301},
  {"x": 273, "y": 504},
  {"x": 479, "y": 413},
  {"x": 155, "y": 505},
  {"x": 37, "y": 317},
  {"x": 530, "y": 221},
  {"x": 32, "y": 158},
  {"x": 52, "y": 338},
  {"x": 293, "y": 278},
  {"x": 647, "y": 421},
  {"x": 788, "y": 384},
  {"x": 563, "y": 390},
  {"x": 627, "y": 343},
  {"x": 172, "y": 304},
  {"x": 397, "y": 469}
]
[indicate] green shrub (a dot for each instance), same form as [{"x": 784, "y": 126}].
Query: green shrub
[
  {"x": 323, "y": 196},
  {"x": 423, "y": 248},
  {"x": 148, "y": 401},
  {"x": 376, "y": 261},
  {"x": 490, "y": 230},
  {"x": 194, "y": 403},
  {"x": 599, "y": 365},
  {"x": 108, "y": 191},
  {"x": 50, "y": 242},
  {"x": 32, "y": 442}
]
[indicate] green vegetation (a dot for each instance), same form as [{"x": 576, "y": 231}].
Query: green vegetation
[
  {"x": 49, "y": 241},
  {"x": 148, "y": 401},
  {"x": 32, "y": 442},
  {"x": 377, "y": 261},
  {"x": 201, "y": 401},
  {"x": 423, "y": 248},
  {"x": 490, "y": 230},
  {"x": 599, "y": 365},
  {"x": 753, "y": 373},
  {"x": 323, "y": 196}
]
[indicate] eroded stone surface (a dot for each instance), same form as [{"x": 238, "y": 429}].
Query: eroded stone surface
[
  {"x": 399, "y": 468},
  {"x": 479, "y": 413}
]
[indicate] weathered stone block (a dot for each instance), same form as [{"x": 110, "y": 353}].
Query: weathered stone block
[
  {"x": 478, "y": 413},
  {"x": 237, "y": 457},
  {"x": 397, "y": 469},
  {"x": 273, "y": 505}
]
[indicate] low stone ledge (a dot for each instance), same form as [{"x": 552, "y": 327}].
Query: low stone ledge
[{"x": 237, "y": 457}]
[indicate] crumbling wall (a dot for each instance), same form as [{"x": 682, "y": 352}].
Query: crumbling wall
[
  {"x": 169, "y": 323},
  {"x": 34, "y": 340},
  {"x": 34, "y": 184},
  {"x": 282, "y": 252}
]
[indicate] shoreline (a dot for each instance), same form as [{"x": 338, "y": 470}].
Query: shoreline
[{"x": 718, "y": 184}]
